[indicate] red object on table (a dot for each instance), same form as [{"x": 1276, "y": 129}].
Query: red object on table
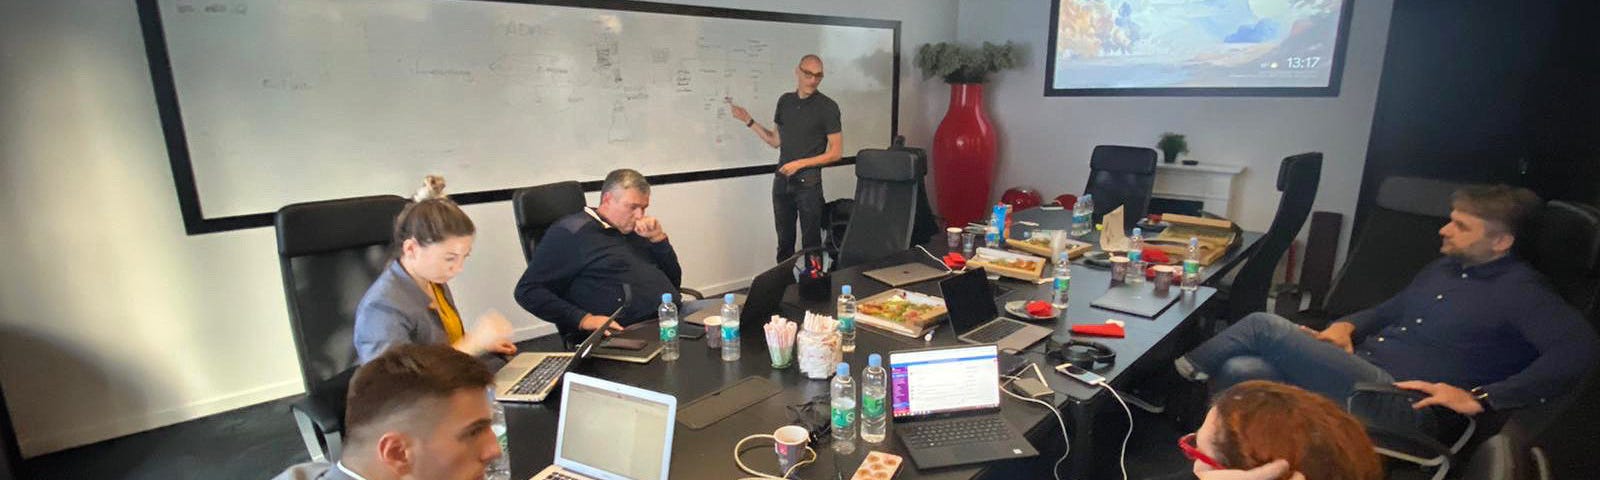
[
  {"x": 964, "y": 157},
  {"x": 1021, "y": 198},
  {"x": 1067, "y": 200},
  {"x": 954, "y": 260},
  {"x": 1154, "y": 255},
  {"x": 1103, "y": 330},
  {"x": 1040, "y": 308}
]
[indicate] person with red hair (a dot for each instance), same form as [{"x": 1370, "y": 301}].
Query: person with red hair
[{"x": 1267, "y": 430}]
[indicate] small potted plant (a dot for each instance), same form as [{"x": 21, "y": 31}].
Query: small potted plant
[
  {"x": 1172, "y": 145},
  {"x": 964, "y": 145}
]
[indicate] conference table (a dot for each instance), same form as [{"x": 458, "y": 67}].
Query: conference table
[{"x": 708, "y": 453}]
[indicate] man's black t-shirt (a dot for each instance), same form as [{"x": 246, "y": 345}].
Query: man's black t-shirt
[{"x": 804, "y": 125}]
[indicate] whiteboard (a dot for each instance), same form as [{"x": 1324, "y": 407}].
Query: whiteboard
[{"x": 272, "y": 102}]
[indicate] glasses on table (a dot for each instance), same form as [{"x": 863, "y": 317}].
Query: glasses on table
[{"x": 1186, "y": 443}]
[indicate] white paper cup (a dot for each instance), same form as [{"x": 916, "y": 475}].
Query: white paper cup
[
  {"x": 790, "y": 445},
  {"x": 714, "y": 331}
]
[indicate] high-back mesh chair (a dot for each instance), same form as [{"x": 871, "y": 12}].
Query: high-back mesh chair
[
  {"x": 330, "y": 252},
  {"x": 1121, "y": 176},
  {"x": 536, "y": 208},
  {"x": 888, "y": 183}
]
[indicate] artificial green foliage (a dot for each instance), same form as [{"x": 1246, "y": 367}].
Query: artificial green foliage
[
  {"x": 1173, "y": 144},
  {"x": 957, "y": 63}
]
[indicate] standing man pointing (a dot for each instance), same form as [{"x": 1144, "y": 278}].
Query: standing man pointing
[{"x": 808, "y": 138}]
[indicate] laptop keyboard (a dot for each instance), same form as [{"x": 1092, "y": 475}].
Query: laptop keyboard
[
  {"x": 541, "y": 375},
  {"x": 994, "y": 331},
  {"x": 955, "y": 432},
  {"x": 562, "y": 476}
]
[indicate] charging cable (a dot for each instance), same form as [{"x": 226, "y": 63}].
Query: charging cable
[
  {"x": 1122, "y": 459},
  {"x": 1066, "y": 442},
  {"x": 936, "y": 259},
  {"x": 739, "y": 447}
]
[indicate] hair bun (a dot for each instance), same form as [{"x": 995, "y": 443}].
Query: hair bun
[{"x": 432, "y": 187}]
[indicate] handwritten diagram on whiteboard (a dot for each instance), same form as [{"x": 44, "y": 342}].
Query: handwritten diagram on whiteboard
[{"x": 286, "y": 101}]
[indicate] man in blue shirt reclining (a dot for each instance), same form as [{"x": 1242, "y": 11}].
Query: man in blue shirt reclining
[
  {"x": 579, "y": 267},
  {"x": 1475, "y": 330}
]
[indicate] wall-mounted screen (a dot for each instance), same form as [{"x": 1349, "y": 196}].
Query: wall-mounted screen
[{"x": 1196, "y": 47}]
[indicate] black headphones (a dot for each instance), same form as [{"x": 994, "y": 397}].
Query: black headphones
[{"x": 1084, "y": 354}]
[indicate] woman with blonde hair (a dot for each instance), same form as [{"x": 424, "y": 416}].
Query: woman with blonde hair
[{"x": 410, "y": 302}]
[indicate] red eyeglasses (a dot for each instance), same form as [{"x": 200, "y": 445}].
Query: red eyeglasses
[{"x": 1190, "y": 450}]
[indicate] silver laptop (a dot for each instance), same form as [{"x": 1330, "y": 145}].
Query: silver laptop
[
  {"x": 1137, "y": 299},
  {"x": 611, "y": 431},
  {"x": 905, "y": 274},
  {"x": 970, "y": 298},
  {"x": 530, "y": 377}
]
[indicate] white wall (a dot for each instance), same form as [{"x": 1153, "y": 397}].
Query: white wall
[
  {"x": 112, "y": 321},
  {"x": 1045, "y": 141}
]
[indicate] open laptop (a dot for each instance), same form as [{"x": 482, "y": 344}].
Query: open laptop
[
  {"x": 905, "y": 274},
  {"x": 970, "y": 298},
  {"x": 946, "y": 407},
  {"x": 611, "y": 431},
  {"x": 1136, "y": 299},
  {"x": 530, "y": 377}
]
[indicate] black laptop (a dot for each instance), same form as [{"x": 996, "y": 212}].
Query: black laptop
[
  {"x": 946, "y": 407},
  {"x": 1137, "y": 299},
  {"x": 970, "y": 299}
]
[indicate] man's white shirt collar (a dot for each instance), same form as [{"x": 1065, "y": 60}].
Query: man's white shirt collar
[
  {"x": 591, "y": 211},
  {"x": 348, "y": 472}
]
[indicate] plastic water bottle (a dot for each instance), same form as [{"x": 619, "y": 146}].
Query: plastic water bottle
[
  {"x": 1083, "y": 216},
  {"x": 1136, "y": 256},
  {"x": 844, "y": 410},
  {"x": 669, "y": 328},
  {"x": 1191, "y": 266},
  {"x": 500, "y": 468},
  {"x": 874, "y": 387},
  {"x": 847, "y": 320},
  {"x": 1061, "y": 283},
  {"x": 730, "y": 329}
]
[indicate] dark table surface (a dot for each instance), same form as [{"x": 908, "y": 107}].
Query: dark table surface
[{"x": 707, "y": 453}]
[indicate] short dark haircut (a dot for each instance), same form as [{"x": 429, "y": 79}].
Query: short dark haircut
[
  {"x": 407, "y": 382},
  {"x": 625, "y": 179},
  {"x": 1505, "y": 206}
]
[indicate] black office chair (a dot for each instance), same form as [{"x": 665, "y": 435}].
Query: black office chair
[
  {"x": 330, "y": 252},
  {"x": 766, "y": 290},
  {"x": 1121, "y": 176},
  {"x": 883, "y": 217},
  {"x": 1563, "y": 241},
  {"x": 10, "y": 453},
  {"x": 1508, "y": 455},
  {"x": 1399, "y": 236},
  {"x": 926, "y": 224},
  {"x": 536, "y": 208},
  {"x": 1298, "y": 177}
]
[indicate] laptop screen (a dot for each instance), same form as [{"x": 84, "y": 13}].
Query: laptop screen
[
  {"x": 613, "y": 431},
  {"x": 970, "y": 298},
  {"x": 945, "y": 380}
]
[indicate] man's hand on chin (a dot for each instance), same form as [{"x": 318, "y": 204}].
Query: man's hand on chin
[{"x": 1444, "y": 395}]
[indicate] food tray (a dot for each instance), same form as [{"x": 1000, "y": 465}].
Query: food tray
[
  {"x": 1009, "y": 264},
  {"x": 928, "y": 320}
]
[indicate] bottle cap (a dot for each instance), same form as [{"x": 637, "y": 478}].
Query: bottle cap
[
  {"x": 875, "y": 360},
  {"x": 844, "y": 369},
  {"x": 727, "y": 298},
  {"x": 845, "y": 290},
  {"x": 1138, "y": 232},
  {"x": 666, "y": 298}
]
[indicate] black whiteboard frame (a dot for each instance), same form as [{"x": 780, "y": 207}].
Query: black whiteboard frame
[
  {"x": 1335, "y": 75},
  {"x": 195, "y": 222}
]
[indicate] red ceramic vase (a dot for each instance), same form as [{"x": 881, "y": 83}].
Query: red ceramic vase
[{"x": 964, "y": 157}]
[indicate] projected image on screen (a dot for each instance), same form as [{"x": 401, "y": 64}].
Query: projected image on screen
[{"x": 1123, "y": 45}]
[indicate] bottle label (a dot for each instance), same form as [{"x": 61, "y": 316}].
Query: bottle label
[
  {"x": 871, "y": 406},
  {"x": 847, "y": 323},
  {"x": 1191, "y": 267},
  {"x": 843, "y": 417},
  {"x": 1063, "y": 283},
  {"x": 669, "y": 332},
  {"x": 730, "y": 332},
  {"x": 1133, "y": 256}
]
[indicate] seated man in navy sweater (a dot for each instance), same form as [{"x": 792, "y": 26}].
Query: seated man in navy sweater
[
  {"x": 575, "y": 278},
  {"x": 1476, "y": 330}
]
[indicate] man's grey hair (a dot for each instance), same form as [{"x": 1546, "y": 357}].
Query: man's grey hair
[{"x": 625, "y": 179}]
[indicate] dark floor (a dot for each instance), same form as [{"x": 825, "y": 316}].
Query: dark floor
[{"x": 259, "y": 441}]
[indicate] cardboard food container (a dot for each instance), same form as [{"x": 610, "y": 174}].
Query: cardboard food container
[
  {"x": 929, "y": 318},
  {"x": 1075, "y": 248},
  {"x": 1008, "y": 264}
]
